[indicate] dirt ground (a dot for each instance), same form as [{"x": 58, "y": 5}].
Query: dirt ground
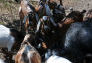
[
  {"x": 78, "y": 4},
  {"x": 9, "y": 11}
]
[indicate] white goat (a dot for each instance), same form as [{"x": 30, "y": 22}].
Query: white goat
[
  {"x": 57, "y": 59},
  {"x": 8, "y": 37},
  {"x": 2, "y": 61}
]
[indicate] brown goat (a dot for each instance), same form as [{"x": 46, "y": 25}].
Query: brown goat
[
  {"x": 27, "y": 15},
  {"x": 27, "y": 53},
  {"x": 74, "y": 16}
]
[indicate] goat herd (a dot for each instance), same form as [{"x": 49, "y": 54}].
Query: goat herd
[{"x": 49, "y": 35}]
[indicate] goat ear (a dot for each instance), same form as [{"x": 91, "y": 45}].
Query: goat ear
[{"x": 83, "y": 11}]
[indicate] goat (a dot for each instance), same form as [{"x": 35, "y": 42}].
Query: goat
[
  {"x": 2, "y": 61},
  {"x": 57, "y": 10},
  {"x": 27, "y": 53},
  {"x": 9, "y": 38},
  {"x": 57, "y": 59},
  {"x": 43, "y": 9},
  {"x": 28, "y": 15}
]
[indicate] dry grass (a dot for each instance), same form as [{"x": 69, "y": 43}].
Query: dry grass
[{"x": 8, "y": 11}]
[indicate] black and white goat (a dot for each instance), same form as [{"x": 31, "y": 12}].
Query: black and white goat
[{"x": 10, "y": 38}]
